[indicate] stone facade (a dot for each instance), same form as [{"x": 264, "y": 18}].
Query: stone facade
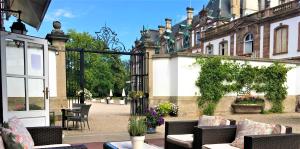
[
  {"x": 58, "y": 40},
  {"x": 259, "y": 23}
]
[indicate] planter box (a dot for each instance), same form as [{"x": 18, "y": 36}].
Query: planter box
[
  {"x": 247, "y": 108},
  {"x": 122, "y": 102},
  {"x": 111, "y": 101},
  {"x": 103, "y": 101}
]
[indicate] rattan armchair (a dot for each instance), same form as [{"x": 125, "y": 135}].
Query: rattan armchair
[
  {"x": 50, "y": 135},
  {"x": 201, "y": 136},
  {"x": 46, "y": 135},
  {"x": 226, "y": 134}
]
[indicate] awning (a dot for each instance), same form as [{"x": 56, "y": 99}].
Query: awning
[{"x": 33, "y": 11}]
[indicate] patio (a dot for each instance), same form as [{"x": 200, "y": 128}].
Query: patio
[{"x": 109, "y": 123}]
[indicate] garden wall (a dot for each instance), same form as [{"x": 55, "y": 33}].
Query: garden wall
[{"x": 174, "y": 78}]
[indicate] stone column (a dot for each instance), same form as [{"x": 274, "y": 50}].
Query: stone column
[{"x": 58, "y": 40}]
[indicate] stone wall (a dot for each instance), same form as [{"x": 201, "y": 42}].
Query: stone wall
[{"x": 188, "y": 105}]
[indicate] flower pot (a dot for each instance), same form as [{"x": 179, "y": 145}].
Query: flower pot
[
  {"x": 247, "y": 108},
  {"x": 122, "y": 102},
  {"x": 151, "y": 130},
  {"x": 111, "y": 101},
  {"x": 137, "y": 142}
]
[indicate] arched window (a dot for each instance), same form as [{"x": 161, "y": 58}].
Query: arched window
[
  {"x": 281, "y": 39},
  {"x": 223, "y": 48},
  {"x": 248, "y": 44},
  {"x": 209, "y": 49}
]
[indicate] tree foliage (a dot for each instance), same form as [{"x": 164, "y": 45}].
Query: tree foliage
[{"x": 102, "y": 71}]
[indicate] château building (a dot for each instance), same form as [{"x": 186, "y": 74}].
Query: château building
[{"x": 252, "y": 28}]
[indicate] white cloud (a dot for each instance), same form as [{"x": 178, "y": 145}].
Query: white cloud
[{"x": 59, "y": 14}]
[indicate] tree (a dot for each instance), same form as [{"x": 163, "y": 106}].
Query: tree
[{"x": 102, "y": 71}]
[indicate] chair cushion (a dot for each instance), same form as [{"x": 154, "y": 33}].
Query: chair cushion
[
  {"x": 212, "y": 121},
  {"x": 248, "y": 127},
  {"x": 279, "y": 129},
  {"x": 1, "y": 141},
  {"x": 15, "y": 135},
  {"x": 219, "y": 146},
  {"x": 51, "y": 146},
  {"x": 184, "y": 140}
]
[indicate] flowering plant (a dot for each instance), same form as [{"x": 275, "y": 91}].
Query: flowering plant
[
  {"x": 87, "y": 94},
  {"x": 174, "y": 110},
  {"x": 154, "y": 118}
]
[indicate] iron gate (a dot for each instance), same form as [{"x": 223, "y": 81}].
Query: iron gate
[{"x": 75, "y": 70}]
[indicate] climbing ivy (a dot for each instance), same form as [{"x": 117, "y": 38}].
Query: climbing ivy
[{"x": 219, "y": 76}]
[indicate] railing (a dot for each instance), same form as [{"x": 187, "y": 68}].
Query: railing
[
  {"x": 259, "y": 15},
  {"x": 284, "y": 7}
]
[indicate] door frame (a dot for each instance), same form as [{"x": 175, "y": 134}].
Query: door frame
[{"x": 24, "y": 114}]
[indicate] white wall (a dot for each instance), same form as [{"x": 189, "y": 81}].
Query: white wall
[
  {"x": 161, "y": 77},
  {"x": 216, "y": 43},
  {"x": 250, "y": 6},
  {"x": 52, "y": 74},
  {"x": 292, "y": 38},
  {"x": 177, "y": 76}
]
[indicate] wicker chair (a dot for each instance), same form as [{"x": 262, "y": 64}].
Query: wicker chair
[
  {"x": 81, "y": 117},
  {"x": 226, "y": 134},
  {"x": 190, "y": 127},
  {"x": 50, "y": 135},
  {"x": 46, "y": 135},
  {"x": 274, "y": 141}
]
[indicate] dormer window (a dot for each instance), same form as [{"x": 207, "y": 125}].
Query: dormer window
[{"x": 248, "y": 44}]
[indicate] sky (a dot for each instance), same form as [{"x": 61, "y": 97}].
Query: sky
[{"x": 125, "y": 17}]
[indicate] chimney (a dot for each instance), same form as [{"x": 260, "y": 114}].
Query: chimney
[
  {"x": 190, "y": 15},
  {"x": 161, "y": 29},
  {"x": 235, "y": 8},
  {"x": 168, "y": 24}
]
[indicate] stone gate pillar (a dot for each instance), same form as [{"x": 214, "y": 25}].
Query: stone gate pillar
[{"x": 58, "y": 40}]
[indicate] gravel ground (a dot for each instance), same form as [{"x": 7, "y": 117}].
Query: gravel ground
[{"x": 109, "y": 123}]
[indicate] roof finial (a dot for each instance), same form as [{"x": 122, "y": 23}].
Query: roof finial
[{"x": 190, "y": 3}]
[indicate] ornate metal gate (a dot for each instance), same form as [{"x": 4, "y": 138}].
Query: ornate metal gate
[{"x": 75, "y": 68}]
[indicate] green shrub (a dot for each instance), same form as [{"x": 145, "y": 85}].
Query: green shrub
[
  {"x": 209, "y": 109},
  {"x": 219, "y": 76},
  {"x": 137, "y": 126},
  {"x": 164, "y": 108}
]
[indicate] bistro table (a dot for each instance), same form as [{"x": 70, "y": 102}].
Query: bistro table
[{"x": 64, "y": 113}]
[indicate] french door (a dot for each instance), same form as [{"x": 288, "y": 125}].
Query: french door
[{"x": 24, "y": 68}]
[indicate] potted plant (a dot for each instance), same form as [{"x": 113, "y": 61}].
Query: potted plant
[
  {"x": 174, "y": 110},
  {"x": 153, "y": 119},
  {"x": 136, "y": 94},
  {"x": 137, "y": 130},
  {"x": 87, "y": 94},
  {"x": 248, "y": 104}
]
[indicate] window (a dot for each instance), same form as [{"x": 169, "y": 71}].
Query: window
[
  {"x": 281, "y": 2},
  {"x": 281, "y": 39},
  {"x": 198, "y": 36},
  {"x": 223, "y": 48},
  {"x": 267, "y": 3},
  {"x": 248, "y": 44},
  {"x": 209, "y": 49}
]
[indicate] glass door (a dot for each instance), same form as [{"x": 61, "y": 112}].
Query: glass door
[{"x": 24, "y": 67}]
